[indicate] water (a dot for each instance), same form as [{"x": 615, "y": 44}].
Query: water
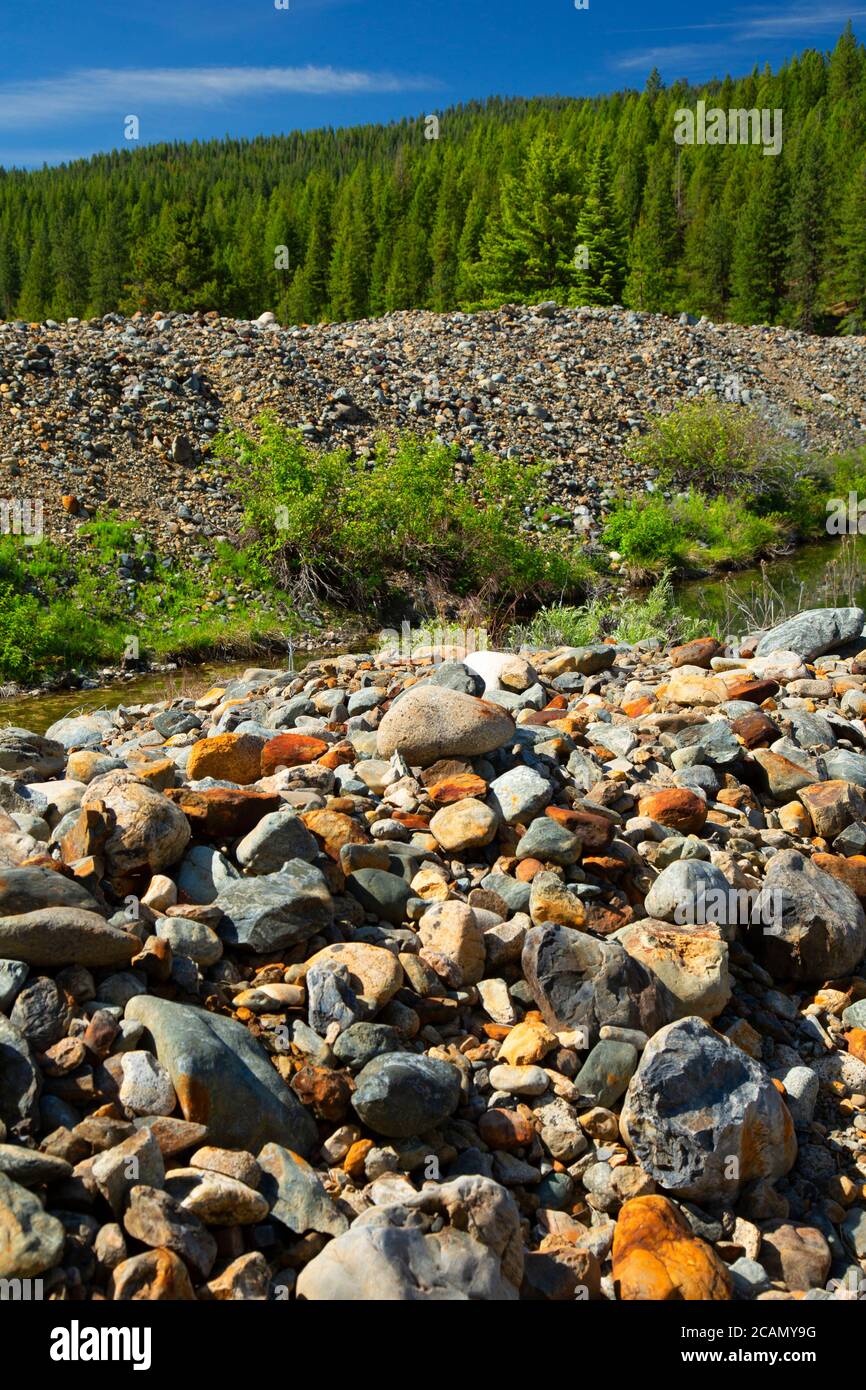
[
  {"x": 826, "y": 573},
  {"x": 822, "y": 575}
]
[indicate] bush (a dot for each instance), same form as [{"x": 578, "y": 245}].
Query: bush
[
  {"x": 723, "y": 449},
  {"x": 363, "y": 531},
  {"x": 625, "y": 617},
  {"x": 690, "y": 532}
]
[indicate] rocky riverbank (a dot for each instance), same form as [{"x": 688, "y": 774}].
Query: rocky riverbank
[
  {"x": 120, "y": 414},
  {"x": 532, "y": 976}
]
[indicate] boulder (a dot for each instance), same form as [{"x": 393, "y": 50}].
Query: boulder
[
  {"x": 813, "y": 927},
  {"x": 703, "y": 1118},
  {"x": 430, "y": 722}
]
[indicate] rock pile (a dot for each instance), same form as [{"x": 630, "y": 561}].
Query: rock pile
[
  {"x": 118, "y": 412},
  {"x": 481, "y": 980}
]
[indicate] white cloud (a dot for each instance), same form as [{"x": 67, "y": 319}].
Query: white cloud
[
  {"x": 682, "y": 55},
  {"x": 91, "y": 91}
]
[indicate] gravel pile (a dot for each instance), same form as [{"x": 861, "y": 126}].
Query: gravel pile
[
  {"x": 117, "y": 413},
  {"x": 532, "y": 976}
]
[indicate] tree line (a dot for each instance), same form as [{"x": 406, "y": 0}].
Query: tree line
[{"x": 585, "y": 201}]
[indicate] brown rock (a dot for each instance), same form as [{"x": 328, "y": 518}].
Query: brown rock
[
  {"x": 333, "y": 829},
  {"x": 698, "y": 652},
  {"x": 227, "y": 757},
  {"x": 155, "y": 1275},
  {"x": 289, "y": 750},
  {"x": 676, "y": 807},
  {"x": 850, "y": 871},
  {"x": 798, "y": 1256},
  {"x": 219, "y": 813},
  {"x": 465, "y": 825},
  {"x": 457, "y": 788},
  {"x": 656, "y": 1256},
  {"x": 833, "y": 806}
]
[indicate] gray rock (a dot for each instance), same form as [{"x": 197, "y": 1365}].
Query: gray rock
[
  {"x": 41, "y": 1013},
  {"x": 277, "y": 838},
  {"x": 30, "y": 1167},
  {"x": 27, "y": 890},
  {"x": 203, "y": 874},
  {"x": 519, "y": 795},
  {"x": 454, "y": 675},
  {"x": 361, "y": 1042},
  {"x": 702, "y": 1116},
  {"x": 813, "y": 632},
  {"x": 819, "y": 930},
  {"x": 400, "y": 1094},
  {"x": 156, "y": 1219},
  {"x": 223, "y": 1078},
  {"x": 20, "y": 1081},
  {"x": 690, "y": 892},
  {"x": 460, "y": 1241},
  {"x": 278, "y": 910},
  {"x": 30, "y": 755},
  {"x": 54, "y": 936},
  {"x": 430, "y": 722},
  {"x": 83, "y": 730},
  {"x": 13, "y": 973},
  {"x": 580, "y": 983},
  {"x": 32, "y": 1240},
  {"x": 606, "y": 1072},
  {"x": 188, "y": 938},
  {"x": 295, "y": 1194},
  {"x": 381, "y": 893},
  {"x": 547, "y": 840}
]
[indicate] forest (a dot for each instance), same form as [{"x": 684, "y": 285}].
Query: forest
[{"x": 580, "y": 200}]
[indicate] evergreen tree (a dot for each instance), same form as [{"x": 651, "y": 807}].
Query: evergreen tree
[
  {"x": 757, "y": 270},
  {"x": 652, "y": 274},
  {"x": 805, "y": 262},
  {"x": 854, "y": 253},
  {"x": 529, "y": 251},
  {"x": 174, "y": 266},
  {"x": 599, "y": 252}
]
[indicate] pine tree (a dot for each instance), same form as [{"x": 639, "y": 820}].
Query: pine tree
[
  {"x": 174, "y": 266},
  {"x": 529, "y": 251},
  {"x": 599, "y": 252},
  {"x": 804, "y": 269},
  {"x": 652, "y": 275},
  {"x": 854, "y": 253},
  {"x": 757, "y": 269}
]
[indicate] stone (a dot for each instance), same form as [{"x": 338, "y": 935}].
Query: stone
[
  {"x": 527, "y": 1044},
  {"x": 813, "y": 926},
  {"x": 246, "y": 1279},
  {"x": 136, "y": 1159},
  {"x": 217, "y": 1199},
  {"x": 156, "y": 1275},
  {"x": 690, "y": 892},
  {"x": 501, "y": 670},
  {"x": 606, "y": 1072},
  {"x": 657, "y": 1257},
  {"x": 551, "y": 900},
  {"x": 702, "y": 1117},
  {"x": 676, "y": 807},
  {"x": 157, "y": 1220},
  {"x": 55, "y": 936},
  {"x": 223, "y": 1078},
  {"x": 30, "y": 756},
  {"x": 519, "y": 795},
  {"x": 452, "y": 943},
  {"x": 813, "y": 632},
  {"x": 146, "y": 1087},
  {"x": 550, "y": 842},
  {"x": 580, "y": 983},
  {"x": 519, "y": 1081},
  {"x": 150, "y": 832},
  {"x": 31, "y": 1168},
  {"x": 277, "y": 838},
  {"x": 399, "y": 1094},
  {"x": 203, "y": 874},
  {"x": 832, "y": 806},
  {"x": 220, "y": 813},
  {"x": 32, "y": 889},
  {"x": 274, "y": 911},
  {"x": 32, "y": 1240},
  {"x": 20, "y": 1080},
  {"x": 334, "y": 829},
  {"x": 227, "y": 758},
  {"x": 431, "y": 722},
  {"x": 451, "y": 1241},
  {"x": 196, "y": 940},
  {"x": 382, "y": 894},
  {"x": 289, "y": 750},
  {"x": 692, "y": 966},
  {"x": 375, "y": 974},
  {"x": 464, "y": 825},
  {"x": 795, "y": 1255},
  {"x": 295, "y": 1194}
]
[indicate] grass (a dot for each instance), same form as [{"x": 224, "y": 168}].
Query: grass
[
  {"x": 64, "y": 613},
  {"x": 730, "y": 490},
  {"x": 625, "y": 617}
]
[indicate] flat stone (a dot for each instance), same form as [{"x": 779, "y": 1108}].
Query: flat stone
[{"x": 295, "y": 1194}]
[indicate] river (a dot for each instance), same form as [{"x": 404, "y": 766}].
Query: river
[{"x": 815, "y": 576}]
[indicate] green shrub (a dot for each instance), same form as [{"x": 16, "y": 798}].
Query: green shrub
[
  {"x": 362, "y": 530},
  {"x": 690, "y": 532},
  {"x": 722, "y": 448},
  {"x": 625, "y": 617}
]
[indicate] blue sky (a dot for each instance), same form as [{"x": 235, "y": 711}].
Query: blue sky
[{"x": 72, "y": 70}]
